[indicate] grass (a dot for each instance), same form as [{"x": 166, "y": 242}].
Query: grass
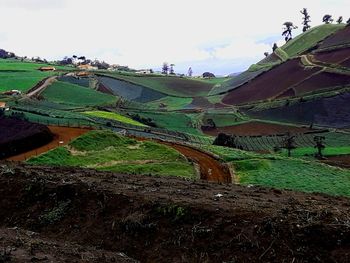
[
  {"x": 107, "y": 151},
  {"x": 328, "y": 151},
  {"x": 70, "y": 94},
  {"x": 310, "y": 38},
  {"x": 170, "y": 103},
  {"x": 17, "y": 75},
  {"x": 284, "y": 173},
  {"x": 113, "y": 116}
]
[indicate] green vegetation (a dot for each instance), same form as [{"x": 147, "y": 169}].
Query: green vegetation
[
  {"x": 284, "y": 173},
  {"x": 170, "y": 103},
  {"x": 70, "y": 94},
  {"x": 113, "y": 116},
  {"x": 281, "y": 54},
  {"x": 328, "y": 151},
  {"x": 310, "y": 38},
  {"x": 17, "y": 75},
  {"x": 105, "y": 150}
]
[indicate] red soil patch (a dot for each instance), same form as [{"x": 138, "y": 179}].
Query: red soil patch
[
  {"x": 334, "y": 56},
  {"x": 270, "y": 84},
  {"x": 210, "y": 169},
  {"x": 321, "y": 81},
  {"x": 17, "y": 136},
  {"x": 164, "y": 219},
  {"x": 62, "y": 136},
  {"x": 346, "y": 63},
  {"x": 254, "y": 128},
  {"x": 339, "y": 38},
  {"x": 340, "y": 161}
]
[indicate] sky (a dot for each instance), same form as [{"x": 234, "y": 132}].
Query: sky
[{"x": 221, "y": 36}]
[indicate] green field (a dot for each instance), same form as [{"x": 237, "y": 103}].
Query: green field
[
  {"x": 310, "y": 38},
  {"x": 114, "y": 116},
  {"x": 284, "y": 173},
  {"x": 107, "y": 151},
  {"x": 170, "y": 103},
  {"x": 17, "y": 75},
  {"x": 70, "y": 94}
]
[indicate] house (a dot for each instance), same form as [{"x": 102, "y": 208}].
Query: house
[
  {"x": 87, "y": 67},
  {"x": 144, "y": 71},
  {"x": 82, "y": 74},
  {"x": 3, "y": 106},
  {"x": 13, "y": 92},
  {"x": 47, "y": 69}
]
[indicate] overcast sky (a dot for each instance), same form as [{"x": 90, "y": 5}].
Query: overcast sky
[{"x": 222, "y": 36}]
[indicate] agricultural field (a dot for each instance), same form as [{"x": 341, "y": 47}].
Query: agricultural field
[
  {"x": 334, "y": 56},
  {"x": 107, "y": 151},
  {"x": 17, "y": 75},
  {"x": 339, "y": 39},
  {"x": 71, "y": 94},
  {"x": 170, "y": 103},
  {"x": 113, "y": 116}
]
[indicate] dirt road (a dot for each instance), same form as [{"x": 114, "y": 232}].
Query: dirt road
[
  {"x": 210, "y": 169},
  {"x": 40, "y": 87},
  {"x": 158, "y": 219},
  {"x": 62, "y": 136}
]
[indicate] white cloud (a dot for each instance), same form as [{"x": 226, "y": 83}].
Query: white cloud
[{"x": 146, "y": 33}]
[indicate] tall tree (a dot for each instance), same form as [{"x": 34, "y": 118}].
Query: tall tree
[
  {"x": 289, "y": 143},
  {"x": 190, "y": 72},
  {"x": 274, "y": 47},
  {"x": 348, "y": 22},
  {"x": 287, "y": 30},
  {"x": 306, "y": 19},
  {"x": 319, "y": 144},
  {"x": 340, "y": 20},
  {"x": 165, "y": 68},
  {"x": 172, "y": 69},
  {"x": 327, "y": 19}
]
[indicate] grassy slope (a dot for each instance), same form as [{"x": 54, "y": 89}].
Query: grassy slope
[
  {"x": 66, "y": 93},
  {"x": 113, "y": 116},
  {"x": 165, "y": 84},
  {"x": 171, "y": 103},
  {"x": 105, "y": 150},
  {"x": 285, "y": 173},
  {"x": 307, "y": 40},
  {"x": 21, "y": 75}
]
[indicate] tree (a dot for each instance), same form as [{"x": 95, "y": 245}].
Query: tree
[
  {"x": 348, "y": 22},
  {"x": 266, "y": 54},
  {"x": 327, "y": 19},
  {"x": 190, "y": 72},
  {"x": 172, "y": 69},
  {"x": 319, "y": 140},
  {"x": 289, "y": 143},
  {"x": 287, "y": 30},
  {"x": 340, "y": 20},
  {"x": 306, "y": 20},
  {"x": 208, "y": 75},
  {"x": 211, "y": 123},
  {"x": 274, "y": 47},
  {"x": 165, "y": 68},
  {"x": 225, "y": 140}
]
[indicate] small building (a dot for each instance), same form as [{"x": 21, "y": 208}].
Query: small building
[
  {"x": 144, "y": 71},
  {"x": 87, "y": 67},
  {"x": 13, "y": 92},
  {"x": 3, "y": 106},
  {"x": 82, "y": 74},
  {"x": 47, "y": 68}
]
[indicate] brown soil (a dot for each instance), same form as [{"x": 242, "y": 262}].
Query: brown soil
[
  {"x": 62, "y": 136},
  {"x": 340, "y": 161},
  {"x": 17, "y": 136},
  {"x": 255, "y": 128},
  {"x": 210, "y": 168},
  {"x": 334, "y": 56},
  {"x": 71, "y": 211},
  {"x": 341, "y": 37},
  {"x": 270, "y": 84},
  {"x": 321, "y": 81}
]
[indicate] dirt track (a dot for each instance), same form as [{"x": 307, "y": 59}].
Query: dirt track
[
  {"x": 41, "y": 87},
  {"x": 210, "y": 169},
  {"x": 164, "y": 219},
  {"x": 62, "y": 136}
]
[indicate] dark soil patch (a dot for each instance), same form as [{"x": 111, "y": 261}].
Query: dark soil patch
[
  {"x": 331, "y": 112},
  {"x": 340, "y": 161},
  {"x": 17, "y": 136},
  {"x": 161, "y": 219},
  {"x": 270, "y": 84},
  {"x": 254, "y": 128},
  {"x": 322, "y": 80},
  {"x": 334, "y": 56},
  {"x": 346, "y": 63},
  {"x": 341, "y": 37}
]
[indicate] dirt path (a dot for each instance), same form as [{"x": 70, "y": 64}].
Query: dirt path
[
  {"x": 63, "y": 135},
  {"x": 41, "y": 87},
  {"x": 210, "y": 169},
  {"x": 342, "y": 161}
]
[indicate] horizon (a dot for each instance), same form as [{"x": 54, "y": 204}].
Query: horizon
[{"x": 144, "y": 35}]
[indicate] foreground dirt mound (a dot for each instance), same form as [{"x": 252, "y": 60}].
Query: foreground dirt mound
[
  {"x": 153, "y": 219},
  {"x": 17, "y": 136}
]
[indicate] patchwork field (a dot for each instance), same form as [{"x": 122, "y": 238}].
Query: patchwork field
[
  {"x": 334, "y": 56},
  {"x": 340, "y": 38},
  {"x": 114, "y": 116}
]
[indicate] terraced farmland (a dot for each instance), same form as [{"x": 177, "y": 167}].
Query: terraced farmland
[
  {"x": 70, "y": 94},
  {"x": 339, "y": 39},
  {"x": 334, "y": 56}
]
